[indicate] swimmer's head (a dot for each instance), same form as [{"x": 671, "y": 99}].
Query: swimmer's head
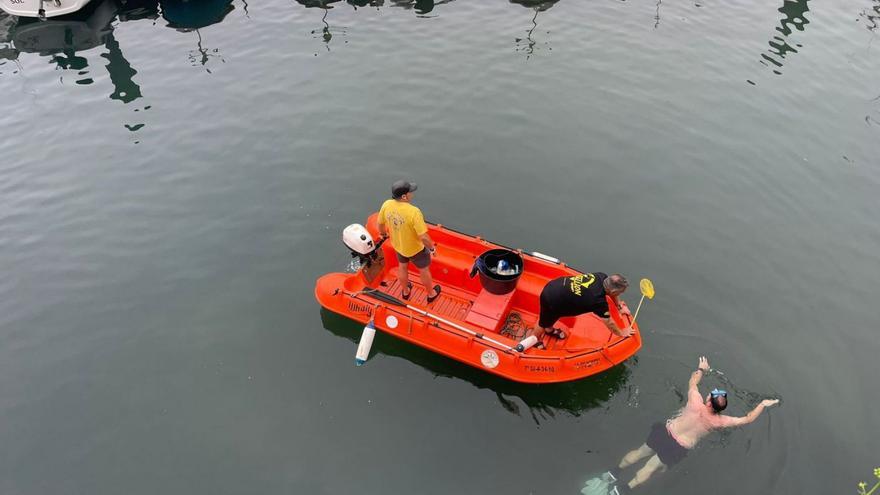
[
  {"x": 615, "y": 284},
  {"x": 718, "y": 400}
]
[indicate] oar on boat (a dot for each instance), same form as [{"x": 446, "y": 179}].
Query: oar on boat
[{"x": 397, "y": 302}]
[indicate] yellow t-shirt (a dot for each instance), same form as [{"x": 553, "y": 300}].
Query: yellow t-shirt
[{"x": 404, "y": 223}]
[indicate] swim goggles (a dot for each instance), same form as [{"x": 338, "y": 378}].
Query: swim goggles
[{"x": 717, "y": 393}]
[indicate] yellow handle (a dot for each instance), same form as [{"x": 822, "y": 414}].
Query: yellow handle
[{"x": 647, "y": 288}]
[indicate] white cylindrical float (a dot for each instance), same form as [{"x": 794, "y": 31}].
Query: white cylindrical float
[
  {"x": 526, "y": 343},
  {"x": 363, "y": 351}
]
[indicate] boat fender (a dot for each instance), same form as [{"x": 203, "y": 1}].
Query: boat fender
[
  {"x": 363, "y": 350},
  {"x": 614, "y": 313},
  {"x": 526, "y": 343}
]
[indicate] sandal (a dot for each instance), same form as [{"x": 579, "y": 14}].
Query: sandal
[
  {"x": 405, "y": 295},
  {"x": 559, "y": 334},
  {"x": 437, "y": 290}
]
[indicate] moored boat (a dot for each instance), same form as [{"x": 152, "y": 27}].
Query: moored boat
[
  {"x": 476, "y": 320},
  {"x": 41, "y": 8}
]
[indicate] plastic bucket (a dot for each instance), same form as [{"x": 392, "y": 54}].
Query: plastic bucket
[{"x": 491, "y": 281}]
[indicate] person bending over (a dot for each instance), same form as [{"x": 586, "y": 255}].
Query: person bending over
[{"x": 573, "y": 296}]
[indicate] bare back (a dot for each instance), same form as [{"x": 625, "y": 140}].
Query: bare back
[{"x": 694, "y": 421}]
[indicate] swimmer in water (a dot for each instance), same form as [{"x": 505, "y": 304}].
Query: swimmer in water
[{"x": 669, "y": 442}]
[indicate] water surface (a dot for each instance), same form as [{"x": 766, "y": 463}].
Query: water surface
[{"x": 176, "y": 175}]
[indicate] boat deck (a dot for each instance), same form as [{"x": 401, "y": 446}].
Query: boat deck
[
  {"x": 456, "y": 305},
  {"x": 447, "y": 305}
]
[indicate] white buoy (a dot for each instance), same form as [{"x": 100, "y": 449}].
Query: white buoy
[
  {"x": 365, "y": 344},
  {"x": 526, "y": 343}
]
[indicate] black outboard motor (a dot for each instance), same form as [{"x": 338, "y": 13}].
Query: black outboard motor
[{"x": 360, "y": 242}]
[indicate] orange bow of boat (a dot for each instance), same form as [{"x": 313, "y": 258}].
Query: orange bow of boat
[{"x": 469, "y": 323}]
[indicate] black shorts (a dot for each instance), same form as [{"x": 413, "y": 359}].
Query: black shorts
[
  {"x": 549, "y": 315},
  {"x": 421, "y": 259},
  {"x": 667, "y": 448}
]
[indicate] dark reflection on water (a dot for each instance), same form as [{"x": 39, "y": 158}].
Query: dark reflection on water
[
  {"x": 325, "y": 33},
  {"x": 63, "y": 38},
  {"x": 121, "y": 73},
  {"x": 527, "y": 44},
  {"x": 872, "y": 16},
  {"x": 542, "y": 401},
  {"x": 539, "y": 6},
  {"x": 7, "y": 51},
  {"x": 794, "y": 17},
  {"x": 186, "y": 17},
  {"x": 421, "y": 7}
]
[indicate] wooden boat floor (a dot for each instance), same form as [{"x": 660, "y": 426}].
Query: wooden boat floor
[
  {"x": 454, "y": 305},
  {"x": 446, "y": 306}
]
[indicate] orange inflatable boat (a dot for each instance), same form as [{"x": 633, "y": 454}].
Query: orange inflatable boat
[{"x": 476, "y": 320}]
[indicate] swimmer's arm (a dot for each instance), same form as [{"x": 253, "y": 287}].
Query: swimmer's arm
[
  {"x": 729, "y": 421},
  {"x": 693, "y": 390},
  {"x": 696, "y": 376}
]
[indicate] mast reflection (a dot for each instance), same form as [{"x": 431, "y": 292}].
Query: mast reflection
[
  {"x": 794, "y": 12},
  {"x": 528, "y": 43}
]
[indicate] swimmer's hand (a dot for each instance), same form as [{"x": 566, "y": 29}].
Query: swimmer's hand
[
  {"x": 769, "y": 402},
  {"x": 703, "y": 364}
]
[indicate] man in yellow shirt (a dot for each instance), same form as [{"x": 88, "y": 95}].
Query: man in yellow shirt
[{"x": 409, "y": 236}]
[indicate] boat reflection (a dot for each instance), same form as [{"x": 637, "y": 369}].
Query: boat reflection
[
  {"x": 63, "y": 38},
  {"x": 7, "y": 51},
  {"x": 541, "y": 401},
  {"x": 189, "y": 16},
  {"x": 872, "y": 15},
  {"x": 325, "y": 5},
  {"x": 537, "y": 5},
  {"x": 794, "y": 12},
  {"x": 528, "y": 43},
  {"x": 186, "y": 15},
  {"x": 420, "y": 7}
]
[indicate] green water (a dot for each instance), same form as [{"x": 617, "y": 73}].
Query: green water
[{"x": 175, "y": 177}]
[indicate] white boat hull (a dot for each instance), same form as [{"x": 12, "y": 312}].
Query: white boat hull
[{"x": 51, "y": 8}]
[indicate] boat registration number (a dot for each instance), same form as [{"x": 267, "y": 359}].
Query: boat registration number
[{"x": 540, "y": 368}]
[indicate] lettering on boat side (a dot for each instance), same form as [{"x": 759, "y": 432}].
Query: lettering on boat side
[
  {"x": 579, "y": 365},
  {"x": 489, "y": 358},
  {"x": 540, "y": 368}
]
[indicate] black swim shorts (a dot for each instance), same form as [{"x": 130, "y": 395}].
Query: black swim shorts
[
  {"x": 548, "y": 314},
  {"x": 421, "y": 259},
  {"x": 667, "y": 448}
]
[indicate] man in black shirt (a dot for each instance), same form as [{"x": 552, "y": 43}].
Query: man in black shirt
[{"x": 573, "y": 296}]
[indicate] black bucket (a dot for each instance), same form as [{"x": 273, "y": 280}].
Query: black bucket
[{"x": 493, "y": 282}]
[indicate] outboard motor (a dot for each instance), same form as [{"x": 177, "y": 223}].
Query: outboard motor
[{"x": 360, "y": 242}]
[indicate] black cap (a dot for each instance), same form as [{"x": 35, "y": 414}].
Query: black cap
[{"x": 402, "y": 187}]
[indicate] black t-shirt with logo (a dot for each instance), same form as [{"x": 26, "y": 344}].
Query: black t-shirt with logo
[{"x": 571, "y": 296}]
